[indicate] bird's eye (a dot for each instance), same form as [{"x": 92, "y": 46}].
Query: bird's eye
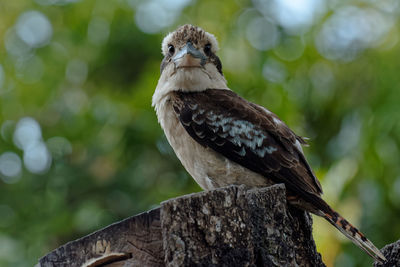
[
  {"x": 207, "y": 49},
  {"x": 171, "y": 49}
]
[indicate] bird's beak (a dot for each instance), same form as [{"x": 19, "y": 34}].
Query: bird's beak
[{"x": 189, "y": 56}]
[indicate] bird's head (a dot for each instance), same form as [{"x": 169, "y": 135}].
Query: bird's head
[
  {"x": 190, "y": 62},
  {"x": 190, "y": 47}
]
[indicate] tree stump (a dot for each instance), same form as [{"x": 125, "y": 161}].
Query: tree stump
[
  {"x": 233, "y": 226},
  {"x": 230, "y": 226}
]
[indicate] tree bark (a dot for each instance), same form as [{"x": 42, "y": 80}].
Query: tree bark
[
  {"x": 392, "y": 254},
  {"x": 230, "y": 226},
  {"x": 233, "y": 226}
]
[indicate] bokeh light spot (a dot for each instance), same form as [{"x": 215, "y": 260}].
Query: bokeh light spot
[
  {"x": 274, "y": 71},
  {"x": 27, "y": 133},
  {"x": 59, "y": 146},
  {"x": 348, "y": 138},
  {"x": 15, "y": 46},
  {"x": 10, "y": 167},
  {"x": 152, "y": 18},
  {"x": 290, "y": 49},
  {"x": 88, "y": 216},
  {"x": 322, "y": 79},
  {"x": 34, "y": 29},
  {"x": 350, "y": 30},
  {"x": 76, "y": 71},
  {"x": 28, "y": 137},
  {"x": 296, "y": 15},
  {"x": 2, "y": 77},
  {"x": 30, "y": 69},
  {"x": 98, "y": 31},
  {"x": 37, "y": 158},
  {"x": 154, "y": 15},
  {"x": 10, "y": 248},
  {"x": 75, "y": 100},
  {"x": 262, "y": 33},
  {"x": 55, "y": 2}
]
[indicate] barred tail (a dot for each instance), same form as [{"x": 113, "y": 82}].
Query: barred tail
[{"x": 354, "y": 235}]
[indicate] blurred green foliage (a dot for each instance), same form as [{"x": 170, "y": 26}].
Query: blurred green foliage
[{"x": 80, "y": 145}]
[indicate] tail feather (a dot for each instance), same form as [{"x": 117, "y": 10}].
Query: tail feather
[
  {"x": 315, "y": 204},
  {"x": 354, "y": 235}
]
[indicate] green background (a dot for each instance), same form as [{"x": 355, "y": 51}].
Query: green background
[{"x": 80, "y": 146}]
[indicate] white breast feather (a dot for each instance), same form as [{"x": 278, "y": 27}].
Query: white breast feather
[
  {"x": 188, "y": 80},
  {"x": 209, "y": 168}
]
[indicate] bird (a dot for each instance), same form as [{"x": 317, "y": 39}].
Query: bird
[{"x": 222, "y": 139}]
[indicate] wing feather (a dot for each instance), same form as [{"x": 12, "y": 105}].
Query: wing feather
[{"x": 247, "y": 134}]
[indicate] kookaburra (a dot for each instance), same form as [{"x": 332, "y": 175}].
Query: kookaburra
[{"x": 222, "y": 139}]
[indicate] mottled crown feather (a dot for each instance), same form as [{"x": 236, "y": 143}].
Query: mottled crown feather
[{"x": 188, "y": 32}]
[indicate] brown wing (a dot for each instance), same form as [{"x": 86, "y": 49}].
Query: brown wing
[
  {"x": 289, "y": 139},
  {"x": 249, "y": 135}
]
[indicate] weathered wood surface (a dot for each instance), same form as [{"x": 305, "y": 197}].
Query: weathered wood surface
[
  {"x": 231, "y": 226},
  {"x": 131, "y": 242}
]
